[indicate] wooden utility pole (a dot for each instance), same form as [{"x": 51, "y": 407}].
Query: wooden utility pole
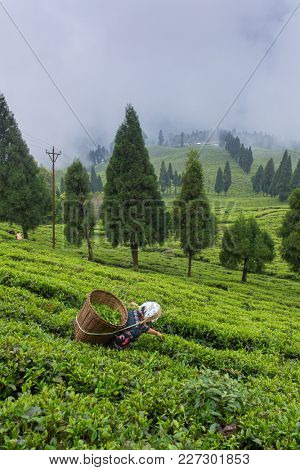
[{"x": 53, "y": 157}]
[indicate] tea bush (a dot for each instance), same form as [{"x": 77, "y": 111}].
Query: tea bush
[{"x": 230, "y": 354}]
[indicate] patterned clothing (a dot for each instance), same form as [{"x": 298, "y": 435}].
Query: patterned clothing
[{"x": 124, "y": 338}]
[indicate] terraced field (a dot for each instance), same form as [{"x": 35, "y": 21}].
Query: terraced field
[{"x": 230, "y": 355}]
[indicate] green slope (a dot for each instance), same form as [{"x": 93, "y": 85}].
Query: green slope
[{"x": 230, "y": 354}]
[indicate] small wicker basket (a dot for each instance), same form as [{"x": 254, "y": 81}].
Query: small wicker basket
[{"x": 89, "y": 327}]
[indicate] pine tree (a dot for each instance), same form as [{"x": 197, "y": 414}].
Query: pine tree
[
  {"x": 194, "y": 222},
  {"x": 161, "y": 138},
  {"x": 79, "y": 215},
  {"x": 245, "y": 158},
  {"x": 170, "y": 171},
  {"x": 219, "y": 185},
  {"x": 94, "y": 180},
  {"x": 290, "y": 233},
  {"x": 257, "y": 180},
  {"x": 176, "y": 181},
  {"x": 181, "y": 139},
  {"x": 242, "y": 157},
  {"x": 227, "y": 177},
  {"x": 268, "y": 176},
  {"x": 285, "y": 178},
  {"x": 245, "y": 244},
  {"x": 296, "y": 177},
  {"x": 281, "y": 182},
  {"x": 170, "y": 175},
  {"x": 163, "y": 177},
  {"x": 24, "y": 195},
  {"x": 99, "y": 184},
  {"x": 62, "y": 185},
  {"x": 133, "y": 207}
]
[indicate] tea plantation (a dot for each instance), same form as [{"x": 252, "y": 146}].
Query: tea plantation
[{"x": 226, "y": 375}]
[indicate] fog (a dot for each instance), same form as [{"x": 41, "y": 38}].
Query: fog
[{"x": 179, "y": 62}]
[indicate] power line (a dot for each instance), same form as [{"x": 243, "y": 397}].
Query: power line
[{"x": 48, "y": 73}]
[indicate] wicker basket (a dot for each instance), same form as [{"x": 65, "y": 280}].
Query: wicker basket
[{"x": 89, "y": 327}]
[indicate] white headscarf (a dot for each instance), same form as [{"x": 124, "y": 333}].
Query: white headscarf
[{"x": 149, "y": 309}]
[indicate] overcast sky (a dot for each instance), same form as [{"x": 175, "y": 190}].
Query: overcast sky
[{"x": 179, "y": 62}]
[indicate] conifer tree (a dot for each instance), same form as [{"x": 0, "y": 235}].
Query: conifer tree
[
  {"x": 176, "y": 180},
  {"x": 296, "y": 177},
  {"x": 290, "y": 233},
  {"x": 99, "y": 184},
  {"x": 24, "y": 194},
  {"x": 94, "y": 180},
  {"x": 62, "y": 185},
  {"x": 219, "y": 185},
  {"x": 163, "y": 177},
  {"x": 161, "y": 138},
  {"x": 268, "y": 176},
  {"x": 227, "y": 177},
  {"x": 181, "y": 139},
  {"x": 280, "y": 177},
  {"x": 245, "y": 244},
  {"x": 79, "y": 217},
  {"x": 285, "y": 178},
  {"x": 170, "y": 175},
  {"x": 133, "y": 208},
  {"x": 257, "y": 180},
  {"x": 194, "y": 222}
]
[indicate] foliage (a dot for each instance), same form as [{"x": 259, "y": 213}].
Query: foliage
[
  {"x": 239, "y": 152},
  {"x": 290, "y": 232},
  {"x": 163, "y": 177},
  {"x": 24, "y": 193},
  {"x": 281, "y": 183},
  {"x": 227, "y": 177},
  {"x": 246, "y": 243},
  {"x": 257, "y": 180},
  {"x": 296, "y": 177},
  {"x": 219, "y": 185},
  {"x": 226, "y": 358},
  {"x": 109, "y": 314},
  {"x": 98, "y": 156},
  {"x": 79, "y": 214},
  {"x": 160, "y": 138},
  {"x": 268, "y": 176},
  {"x": 133, "y": 208},
  {"x": 194, "y": 221}
]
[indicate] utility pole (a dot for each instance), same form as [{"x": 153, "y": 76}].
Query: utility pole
[{"x": 53, "y": 157}]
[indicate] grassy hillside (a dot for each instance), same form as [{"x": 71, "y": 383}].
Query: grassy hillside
[
  {"x": 213, "y": 157},
  {"x": 230, "y": 355}
]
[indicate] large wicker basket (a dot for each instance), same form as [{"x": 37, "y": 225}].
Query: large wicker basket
[{"x": 89, "y": 327}]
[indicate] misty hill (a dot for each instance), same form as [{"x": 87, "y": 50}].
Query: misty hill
[{"x": 212, "y": 157}]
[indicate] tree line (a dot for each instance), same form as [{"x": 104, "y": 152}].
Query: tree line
[
  {"x": 238, "y": 152},
  {"x": 133, "y": 212},
  {"x": 169, "y": 178},
  {"x": 279, "y": 183},
  {"x": 223, "y": 179}
]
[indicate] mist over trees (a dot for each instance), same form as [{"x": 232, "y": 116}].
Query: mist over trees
[
  {"x": 100, "y": 155},
  {"x": 238, "y": 152}
]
